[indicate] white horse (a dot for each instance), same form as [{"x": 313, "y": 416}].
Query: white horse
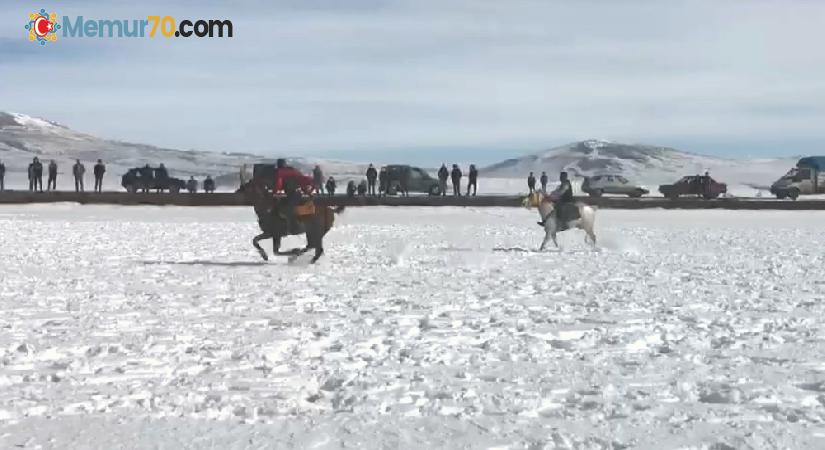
[{"x": 587, "y": 217}]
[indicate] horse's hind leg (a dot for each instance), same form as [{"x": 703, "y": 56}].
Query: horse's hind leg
[
  {"x": 319, "y": 250},
  {"x": 261, "y": 251}
]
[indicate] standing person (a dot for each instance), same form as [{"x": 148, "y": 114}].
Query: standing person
[
  {"x": 2, "y": 176},
  {"x": 318, "y": 179},
  {"x": 146, "y": 175},
  {"x": 455, "y": 174},
  {"x": 99, "y": 170},
  {"x": 38, "y": 175},
  {"x": 331, "y": 186},
  {"x": 192, "y": 185},
  {"x": 31, "y": 176},
  {"x": 473, "y": 176},
  {"x": 543, "y": 180},
  {"x": 531, "y": 182},
  {"x": 383, "y": 181},
  {"x": 443, "y": 174},
  {"x": 209, "y": 185},
  {"x": 404, "y": 181},
  {"x": 78, "y": 170},
  {"x": 372, "y": 175},
  {"x": 52, "y": 183}
]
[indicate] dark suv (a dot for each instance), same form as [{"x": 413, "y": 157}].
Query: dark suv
[
  {"x": 418, "y": 180},
  {"x": 136, "y": 179}
]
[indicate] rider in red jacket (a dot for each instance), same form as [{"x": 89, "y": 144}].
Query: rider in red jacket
[{"x": 286, "y": 176}]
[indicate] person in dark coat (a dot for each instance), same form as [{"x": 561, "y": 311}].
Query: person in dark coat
[
  {"x": 372, "y": 176},
  {"x": 404, "y": 182},
  {"x": 318, "y": 179},
  {"x": 473, "y": 177},
  {"x": 37, "y": 170},
  {"x": 383, "y": 181},
  {"x": 531, "y": 182},
  {"x": 331, "y": 186},
  {"x": 443, "y": 174},
  {"x": 565, "y": 207},
  {"x": 543, "y": 180},
  {"x": 351, "y": 188},
  {"x": 192, "y": 185},
  {"x": 52, "y": 183},
  {"x": 146, "y": 175},
  {"x": 2, "y": 176},
  {"x": 78, "y": 170},
  {"x": 209, "y": 184},
  {"x": 362, "y": 188},
  {"x": 99, "y": 171},
  {"x": 455, "y": 174},
  {"x": 162, "y": 175},
  {"x": 31, "y": 176}
]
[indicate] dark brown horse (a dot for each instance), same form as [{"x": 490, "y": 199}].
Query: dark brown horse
[{"x": 274, "y": 225}]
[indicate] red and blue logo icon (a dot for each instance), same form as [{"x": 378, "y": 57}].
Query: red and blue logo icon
[{"x": 42, "y": 27}]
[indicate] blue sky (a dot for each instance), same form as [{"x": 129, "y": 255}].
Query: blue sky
[{"x": 432, "y": 80}]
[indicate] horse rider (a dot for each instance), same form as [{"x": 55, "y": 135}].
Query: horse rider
[
  {"x": 291, "y": 182},
  {"x": 564, "y": 205}
]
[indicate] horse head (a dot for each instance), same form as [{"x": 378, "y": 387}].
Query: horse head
[{"x": 532, "y": 200}]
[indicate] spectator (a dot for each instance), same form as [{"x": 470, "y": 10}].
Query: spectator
[
  {"x": 543, "y": 180},
  {"x": 145, "y": 177},
  {"x": 531, "y": 182},
  {"x": 209, "y": 185},
  {"x": 51, "y": 185},
  {"x": 383, "y": 181},
  {"x": 372, "y": 175},
  {"x": 331, "y": 186},
  {"x": 99, "y": 170},
  {"x": 443, "y": 174},
  {"x": 351, "y": 188},
  {"x": 318, "y": 179},
  {"x": 456, "y": 174},
  {"x": 78, "y": 170},
  {"x": 473, "y": 176},
  {"x": 362, "y": 188},
  {"x": 162, "y": 176},
  {"x": 404, "y": 181},
  {"x": 31, "y": 176},
  {"x": 37, "y": 168},
  {"x": 192, "y": 185},
  {"x": 2, "y": 176}
]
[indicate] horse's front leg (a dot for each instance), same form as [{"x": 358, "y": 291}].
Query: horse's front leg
[
  {"x": 257, "y": 239},
  {"x": 547, "y": 234}
]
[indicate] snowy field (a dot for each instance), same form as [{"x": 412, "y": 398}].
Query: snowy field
[{"x": 148, "y": 327}]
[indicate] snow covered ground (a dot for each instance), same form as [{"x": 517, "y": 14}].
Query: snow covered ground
[{"x": 150, "y": 327}]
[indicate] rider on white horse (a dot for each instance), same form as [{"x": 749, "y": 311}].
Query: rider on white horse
[{"x": 565, "y": 209}]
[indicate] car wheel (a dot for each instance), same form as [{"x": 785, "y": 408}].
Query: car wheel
[
  {"x": 672, "y": 196},
  {"x": 710, "y": 196},
  {"x": 434, "y": 190},
  {"x": 793, "y": 194},
  {"x": 635, "y": 194},
  {"x": 174, "y": 189},
  {"x": 596, "y": 193},
  {"x": 131, "y": 188}
]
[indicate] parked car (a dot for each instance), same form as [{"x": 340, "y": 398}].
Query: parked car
[
  {"x": 598, "y": 185},
  {"x": 700, "y": 185},
  {"x": 418, "y": 180},
  {"x": 134, "y": 181}
]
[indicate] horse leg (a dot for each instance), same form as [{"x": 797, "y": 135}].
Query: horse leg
[{"x": 261, "y": 251}]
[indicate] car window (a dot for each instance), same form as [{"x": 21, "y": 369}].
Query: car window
[
  {"x": 417, "y": 174},
  {"x": 610, "y": 178},
  {"x": 597, "y": 178},
  {"x": 622, "y": 179}
]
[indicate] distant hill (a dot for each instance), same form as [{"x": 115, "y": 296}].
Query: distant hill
[
  {"x": 643, "y": 163},
  {"x": 24, "y": 137}
]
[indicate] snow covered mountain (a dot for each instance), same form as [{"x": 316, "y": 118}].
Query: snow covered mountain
[
  {"x": 642, "y": 163},
  {"x": 24, "y": 137}
]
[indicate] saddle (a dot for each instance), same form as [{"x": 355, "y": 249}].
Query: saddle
[
  {"x": 563, "y": 213},
  {"x": 305, "y": 209}
]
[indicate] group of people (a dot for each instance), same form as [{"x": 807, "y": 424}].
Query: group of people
[
  {"x": 531, "y": 182},
  {"x": 35, "y": 174},
  {"x": 208, "y": 185},
  {"x": 455, "y": 176}
]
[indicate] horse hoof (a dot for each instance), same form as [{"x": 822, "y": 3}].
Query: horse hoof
[{"x": 263, "y": 255}]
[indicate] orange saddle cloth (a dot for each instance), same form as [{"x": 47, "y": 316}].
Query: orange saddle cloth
[{"x": 306, "y": 209}]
